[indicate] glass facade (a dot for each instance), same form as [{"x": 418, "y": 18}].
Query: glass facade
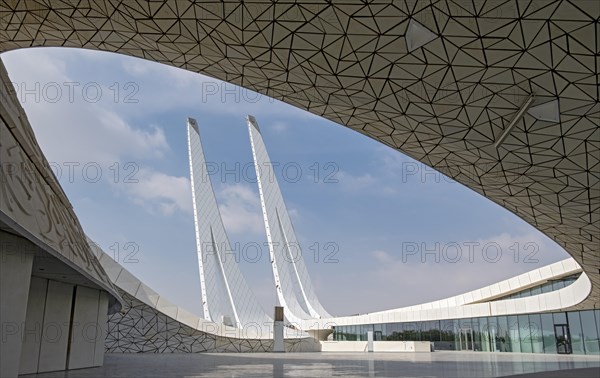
[
  {"x": 547, "y": 287},
  {"x": 574, "y": 332}
]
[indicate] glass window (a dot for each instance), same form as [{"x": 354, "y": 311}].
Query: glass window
[
  {"x": 597, "y": 315},
  {"x": 429, "y": 331},
  {"x": 464, "y": 323},
  {"x": 448, "y": 335},
  {"x": 397, "y": 331},
  {"x": 513, "y": 334},
  {"x": 436, "y": 334},
  {"x": 535, "y": 329},
  {"x": 503, "y": 342},
  {"x": 536, "y": 290},
  {"x": 548, "y": 335},
  {"x": 560, "y": 318},
  {"x": 377, "y": 332},
  {"x": 590, "y": 333},
  {"x": 410, "y": 332},
  {"x": 484, "y": 331},
  {"x": 476, "y": 334},
  {"x": 492, "y": 329},
  {"x": 418, "y": 331},
  {"x": 576, "y": 332},
  {"x": 525, "y": 334},
  {"x": 455, "y": 331},
  {"x": 424, "y": 327},
  {"x": 557, "y": 285},
  {"x": 364, "y": 330},
  {"x": 546, "y": 288},
  {"x": 393, "y": 331}
]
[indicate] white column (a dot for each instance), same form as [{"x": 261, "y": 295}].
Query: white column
[
  {"x": 102, "y": 329},
  {"x": 278, "y": 345}
]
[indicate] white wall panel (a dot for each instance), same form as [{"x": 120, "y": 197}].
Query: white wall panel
[
  {"x": 224, "y": 289},
  {"x": 34, "y": 320},
  {"x": 102, "y": 329},
  {"x": 15, "y": 276},
  {"x": 55, "y": 335},
  {"x": 84, "y": 326}
]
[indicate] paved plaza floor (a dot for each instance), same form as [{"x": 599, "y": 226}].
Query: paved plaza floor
[{"x": 306, "y": 365}]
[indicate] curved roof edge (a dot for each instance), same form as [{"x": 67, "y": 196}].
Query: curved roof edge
[
  {"x": 483, "y": 301},
  {"x": 130, "y": 284},
  {"x": 33, "y": 203}
]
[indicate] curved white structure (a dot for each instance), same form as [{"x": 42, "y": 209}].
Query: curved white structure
[
  {"x": 501, "y": 97},
  {"x": 292, "y": 281},
  {"x": 50, "y": 281},
  {"x": 486, "y": 301},
  {"x": 226, "y": 296},
  {"x": 150, "y": 323}
]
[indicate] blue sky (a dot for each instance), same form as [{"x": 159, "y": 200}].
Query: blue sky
[{"x": 113, "y": 128}]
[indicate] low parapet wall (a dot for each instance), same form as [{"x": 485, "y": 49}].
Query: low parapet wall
[{"x": 378, "y": 346}]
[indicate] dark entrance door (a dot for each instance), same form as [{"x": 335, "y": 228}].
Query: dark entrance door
[{"x": 563, "y": 339}]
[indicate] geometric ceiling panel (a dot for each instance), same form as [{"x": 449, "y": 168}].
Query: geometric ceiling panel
[
  {"x": 418, "y": 35},
  {"x": 548, "y": 111},
  {"x": 440, "y": 81}
]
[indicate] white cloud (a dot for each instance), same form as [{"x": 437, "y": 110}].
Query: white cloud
[
  {"x": 294, "y": 214},
  {"x": 240, "y": 209},
  {"x": 68, "y": 125},
  {"x": 439, "y": 272},
  {"x": 365, "y": 183},
  {"x": 280, "y": 127},
  {"x": 128, "y": 141},
  {"x": 161, "y": 193},
  {"x": 355, "y": 183},
  {"x": 382, "y": 256}
]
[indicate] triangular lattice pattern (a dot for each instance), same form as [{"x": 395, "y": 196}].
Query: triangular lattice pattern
[
  {"x": 139, "y": 328},
  {"x": 445, "y": 103}
]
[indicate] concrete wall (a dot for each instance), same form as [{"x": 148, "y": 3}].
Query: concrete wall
[
  {"x": 46, "y": 325},
  {"x": 65, "y": 327},
  {"x": 378, "y": 346},
  {"x": 40, "y": 233},
  {"x": 32, "y": 333},
  {"x": 57, "y": 324},
  {"x": 102, "y": 329},
  {"x": 85, "y": 329},
  {"x": 15, "y": 273}
]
